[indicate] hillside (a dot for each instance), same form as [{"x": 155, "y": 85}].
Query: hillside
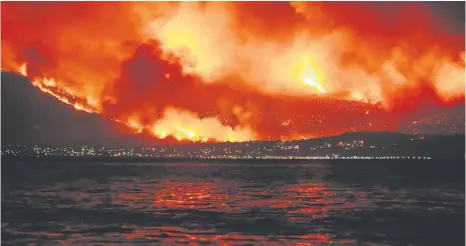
[
  {"x": 353, "y": 144},
  {"x": 30, "y": 116}
]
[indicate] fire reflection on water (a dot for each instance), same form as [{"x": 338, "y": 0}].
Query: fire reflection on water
[
  {"x": 293, "y": 203},
  {"x": 208, "y": 204},
  {"x": 204, "y": 210},
  {"x": 217, "y": 196},
  {"x": 180, "y": 235}
]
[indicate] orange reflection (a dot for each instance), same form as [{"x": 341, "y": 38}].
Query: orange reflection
[
  {"x": 181, "y": 235},
  {"x": 171, "y": 198},
  {"x": 225, "y": 201},
  {"x": 178, "y": 195},
  {"x": 184, "y": 195},
  {"x": 193, "y": 237},
  {"x": 318, "y": 201}
]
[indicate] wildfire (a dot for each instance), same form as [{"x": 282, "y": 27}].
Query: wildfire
[
  {"x": 48, "y": 85},
  {"x": 178, "y": 124},
  {"x": 234, "y": 71},
  {"x": 23, "y": 69},
  {"x": 309, "y": 77},
  {"x": 313, "y": 83},
  {"x": 184, "y": 125}
]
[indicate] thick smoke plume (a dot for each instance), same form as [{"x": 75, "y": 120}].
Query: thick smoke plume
[{"x": 238, "y": 71}]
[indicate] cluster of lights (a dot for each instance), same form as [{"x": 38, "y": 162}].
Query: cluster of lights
[
  {"x": 249, "y": 150},
  {"x": 204, "y": 154},
  {"x": 440, "y": 123}
]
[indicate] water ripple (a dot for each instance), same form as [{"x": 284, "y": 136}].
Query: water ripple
[{"x": 226, "y": 205}]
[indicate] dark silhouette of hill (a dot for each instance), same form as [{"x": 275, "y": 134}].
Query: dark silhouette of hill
[
  {"x": 388, "y": 144},
  {"x": 30, "y": 116},
  {"x": 396, "y": 144}
]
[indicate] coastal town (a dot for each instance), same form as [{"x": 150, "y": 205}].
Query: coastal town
[{"x": 340, "y": 147}]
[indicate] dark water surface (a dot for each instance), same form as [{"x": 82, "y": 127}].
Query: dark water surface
[{"x": 248, "y": 203}]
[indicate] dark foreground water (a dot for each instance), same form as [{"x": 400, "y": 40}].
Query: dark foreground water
[{"x": 343, "y": 203}]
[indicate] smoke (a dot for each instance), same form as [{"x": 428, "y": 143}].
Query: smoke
[{"x": 238, "y": 71}]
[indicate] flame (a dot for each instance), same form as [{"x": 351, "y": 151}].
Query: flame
[
  {"x": 308, "y": 75},
  {"x": 186, "y": 126},
  {"x": 234, "y": 71},
  {"x": 23, "y": 69},
  {"x": 48, "y": 85},
  {"x": 132, "y": 123},
  {"x": 192, "y": 29},
  {"x": 190, "y": 32},
  {"x": 313, "y": 83}
]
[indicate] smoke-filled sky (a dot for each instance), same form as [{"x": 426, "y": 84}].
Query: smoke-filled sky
[{"x": 241, "y": 70}]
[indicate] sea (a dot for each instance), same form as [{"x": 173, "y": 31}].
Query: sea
[{"x": 353, "y": 202}]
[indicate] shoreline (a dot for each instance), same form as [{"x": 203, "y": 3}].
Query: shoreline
[{"x": 186, "y": 159}]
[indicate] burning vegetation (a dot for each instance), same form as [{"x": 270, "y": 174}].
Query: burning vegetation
[{"x": 224, "y": 71}]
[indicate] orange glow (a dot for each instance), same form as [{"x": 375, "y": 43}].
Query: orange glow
[
  {"x": 181, "y": 235},
  {"x": 297, "y": 201},
  {"x": 308, "y": 75},
  {"x": 48, "y": 86},
  {"x": 228, "y": 71},
  {"x": 23, "y": 69},
  {"x": 179, "y": 124}
]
